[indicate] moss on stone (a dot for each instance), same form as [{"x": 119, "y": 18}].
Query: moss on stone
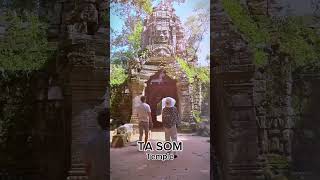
[
  {"x": 278, "y": 161},
  {"x": 281, "y": 177},
  {"x": 292, "y": 36},
  {"x": 246, "y": 25}
]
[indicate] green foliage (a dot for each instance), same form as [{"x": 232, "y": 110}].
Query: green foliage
[
  {"x": 190, "y": 71},
  {"x": 293, "y": 37},
  {"x": 278, "y": 161},
  {"x": 25, "y": 45},
  {"x": 118, "y": 75},
  {"x": 300, "y": 42},
  {"x": 242, "y": 20},
  {"x": 104, "y": 18},
  {"x": 202, "y": 73},
  {"x": 139, "y": 6},
  {"x": 16, "y": 106},
  {"x": 120, "y": 105},
  {"x": 260, "y": 57},
  {"x": 19, "y": 5},
  {"x": 135, "y": 37},
  {"x": 145, "y": 5},
  {"x": 196, "y": 115}
]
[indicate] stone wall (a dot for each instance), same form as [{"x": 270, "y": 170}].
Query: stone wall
[
  {"x": 82, "y": 66},
  {"x": 253, "y": 102},
  {"x": 305, "y": 142},
  {"x": 235, "y": 128}
]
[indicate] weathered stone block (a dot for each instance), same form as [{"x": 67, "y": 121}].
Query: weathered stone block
[
  {"x": 118, "y": 141},
  {"x": 260, "y": 86},
  {"x": 259, "y": 98},
  {"x": 259, "y": 75},
  {"x": 262, "y": 122},
  {"x": 241, "y": 100},
  {"x": 243, "y": 115},
  {"x": 260, "y": 110}
]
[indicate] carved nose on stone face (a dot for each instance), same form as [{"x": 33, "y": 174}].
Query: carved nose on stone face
[{"x": 162, "y": 35}]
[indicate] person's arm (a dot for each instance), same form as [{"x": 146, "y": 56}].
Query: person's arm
[{"x": 150, "y": 117}]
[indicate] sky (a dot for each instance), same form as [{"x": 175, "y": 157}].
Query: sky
[{"x": 183, "y": 11}]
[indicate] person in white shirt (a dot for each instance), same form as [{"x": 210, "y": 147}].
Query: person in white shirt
[{"x": 145, "y": 119}]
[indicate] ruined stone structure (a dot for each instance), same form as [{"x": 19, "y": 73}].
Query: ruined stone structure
[
  {"x": 80, "y": 74},
  {"x": 253, "y": 114},
  {"x": 237, "y": 148},
  {"x": 69, "y": 92},
  {"x": 85, "y": 45},
  {"x": 159, "y": 75}
]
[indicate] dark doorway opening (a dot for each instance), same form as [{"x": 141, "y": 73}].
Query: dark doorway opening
[{"x": 159, "y": 86}]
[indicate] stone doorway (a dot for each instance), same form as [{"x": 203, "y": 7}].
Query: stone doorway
[{"x": 158, "y": 87}]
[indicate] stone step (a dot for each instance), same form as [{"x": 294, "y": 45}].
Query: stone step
[
  {"x": 145, "y": 76},
  {"x": 147, "y": 72},
  {"x": 79, "y": 165},
  {"x": 77, "y": 178},
  {"x": 77, "y": 172},
  {"x": 151, "y": 67}
]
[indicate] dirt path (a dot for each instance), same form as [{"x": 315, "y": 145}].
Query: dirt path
[{"x": 193, "y": 163}]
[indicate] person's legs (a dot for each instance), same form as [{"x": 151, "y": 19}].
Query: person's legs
[
  {"x": 146, "y": 131},
  {"x": 173, "y": 136},
  {"x": 173, "y": 133},
  {"x": 140, "y": 131},
  {"x": 167, "y": 134}
]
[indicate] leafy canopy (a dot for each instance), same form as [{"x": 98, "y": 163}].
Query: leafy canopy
[
  {"x": 25, "y": 45},
  {"x": 135, "y": 37},
  {"x": 202, "y": 73},
  {"x": 117, "y": 75}
]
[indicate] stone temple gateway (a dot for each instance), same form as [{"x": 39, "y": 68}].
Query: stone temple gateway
[{"x": 160, "y": 75}]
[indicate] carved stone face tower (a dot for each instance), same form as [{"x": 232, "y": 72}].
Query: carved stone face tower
[{"x": 163, "y": 33}]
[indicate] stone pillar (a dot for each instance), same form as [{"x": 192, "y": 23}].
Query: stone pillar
[
  {"x": 279, "y": 113},
  {"x": 259, "y": 98},
  {"x": 196, "y": 95},
  {"x": 136, "y": 88},
  {"x": 84, "y": 44},
  {"x": 185, "y": 103},
  {"x": 87, "y": 86},
  {"x": 235, "y": 120},
  {"x": 174, "y": 38}
]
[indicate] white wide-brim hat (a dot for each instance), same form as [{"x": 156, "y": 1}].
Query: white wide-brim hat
[{"x": 172, "y": 102}]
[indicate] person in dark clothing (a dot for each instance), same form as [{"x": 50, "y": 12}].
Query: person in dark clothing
[{"x": 170, "y": 120}]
